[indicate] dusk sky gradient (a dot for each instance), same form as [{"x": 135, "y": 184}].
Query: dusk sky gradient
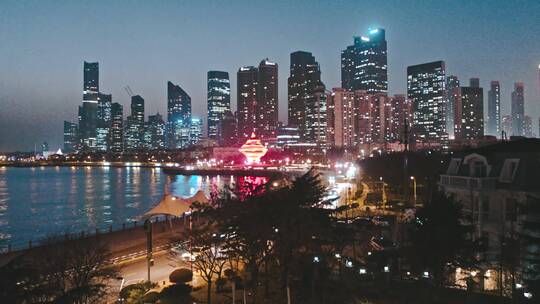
[{"x": 144, "y": 44}]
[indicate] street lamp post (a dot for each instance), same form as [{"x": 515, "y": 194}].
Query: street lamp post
[
  {"x": 414, "y": 188},
  {"x": 149, "y": 259},
  {"x": 383, "y": 195}
]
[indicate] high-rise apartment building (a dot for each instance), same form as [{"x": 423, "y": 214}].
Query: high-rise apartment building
[
  {"x": 227, "y": 129},
  {"x": 247, "y": 84},
  {"x": 494, "y": 110},
  {"x": 307, "y": 98},
  {"x": 471, "y": 115},
  {"x": 426, "y": 88},
  {"x": 117, "y": 128},
  {"x": 342, "y": 117},
  {"x": 400, "y": 116},
  {"x": 380, "y": 118},
  {"x": 257, "y": 104},
  {"x": 518, "y": 109},
  {"x": 364, "y": 64},
  {"x": 453, "y": 93},
  {"x": 267, "y": 98},
  {"x": 219, "y": 100},
  {"x": 527, "y": 126}
]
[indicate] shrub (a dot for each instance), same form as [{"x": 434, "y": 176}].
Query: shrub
[
  {"x": 181, "y": 276},
  {"x": 177, "y": 294}
]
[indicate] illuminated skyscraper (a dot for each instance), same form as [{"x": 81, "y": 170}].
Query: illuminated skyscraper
[
  {"x": 494, "y": 110},
  {"x": 195, "y": 130},
  {"x": 362, "y": 103},
  {"x": 103, "y": 125},
  {"x": 71, "y": 138},
  {"x": 88, "y": 109},
  {"x": 472, "y": 112},
  {"x": 307, "y": 98},
  {"x": 154, "y": 132},
  {"x": 117, "y": 128},
  {"x": 178, "y": 103},
  {"x": 518, "y": 109},
  {"x": 178, "y": 114},
  {"x": 219, "y": 100},
  {"x": 380, "y": 118},
  {"x": 137, "y": 109},
  {"x": 427, "y": 91},
  {"x": 87, "y": 124},
  {"x": 364, "y": 64},
  {"x": 247, "y": 84},
  {"x": 453, "y": 100},
  {"x": 257, "y": 103},
  {"x": 400, "y": 115},
  {"x": 91, "y": 82},
  {"x": 342, "y": 116},
  {"x": 267, "y": 98},
  {"x": 134, "y": 127}
]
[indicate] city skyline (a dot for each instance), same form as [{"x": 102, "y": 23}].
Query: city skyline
[{"x": 51, "y": 92}]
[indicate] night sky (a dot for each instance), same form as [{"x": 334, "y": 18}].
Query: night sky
[{"x": 144, "y": 44}]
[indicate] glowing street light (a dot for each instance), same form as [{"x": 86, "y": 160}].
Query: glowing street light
[{"x": 414, "y": 188}]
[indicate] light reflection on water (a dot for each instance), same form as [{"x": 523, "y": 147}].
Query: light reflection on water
[{"x": 37, "y": 202}]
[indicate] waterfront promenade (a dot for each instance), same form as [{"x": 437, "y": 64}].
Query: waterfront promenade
[{"x": 124, "y": 244}]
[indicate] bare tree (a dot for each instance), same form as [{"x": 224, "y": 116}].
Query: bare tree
[
  {"x": 78, "y": 270},
  {"x": 206, "y": 256}
]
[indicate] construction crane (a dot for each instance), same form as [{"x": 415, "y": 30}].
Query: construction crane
[{"x": 128, "y": 91}]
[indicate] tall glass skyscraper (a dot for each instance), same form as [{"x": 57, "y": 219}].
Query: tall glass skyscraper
[
  {"x": 91, "y": 82},
  {"x": 137, "y": 108},
  {"x": 426, "y": 88},
  {"x": 88, "y": 110},
  {"x": 307, "y": 98},
  {"x": 178, "y": 103},
  {"x": 364, "y": 64},
  {"x": 178, "y": 114},
  {"x": 219, "y": 100},
  {"x": 494, "y": 109}
]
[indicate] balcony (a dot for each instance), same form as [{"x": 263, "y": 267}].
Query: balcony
[{"x": 466, "y": 182}]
